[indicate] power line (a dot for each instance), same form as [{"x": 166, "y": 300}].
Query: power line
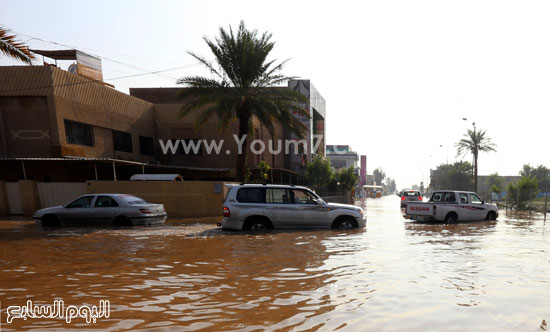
[
  {"x": 102, "y": 57},
  {"x": 93, "y": 81}
]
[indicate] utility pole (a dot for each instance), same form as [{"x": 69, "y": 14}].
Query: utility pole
[{"x": 517, "y": 198}]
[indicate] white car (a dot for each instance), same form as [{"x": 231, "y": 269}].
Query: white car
[
  {"x": 259, "y": 207},
  {"x": 102, "y": 209}
]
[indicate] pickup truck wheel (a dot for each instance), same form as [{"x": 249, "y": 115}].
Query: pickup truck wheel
[
  {"x": 345, "y": 223},
  {"x": 451, "y": 218},
  {"x": 491, "y": 216}
]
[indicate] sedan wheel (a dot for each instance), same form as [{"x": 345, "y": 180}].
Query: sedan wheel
[{"x": 346, "y": 224}]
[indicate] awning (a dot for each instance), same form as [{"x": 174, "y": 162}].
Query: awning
[{"x": 156, "y": 177}]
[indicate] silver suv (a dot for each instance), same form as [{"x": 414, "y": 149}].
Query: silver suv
[{"x": 259, "y": 207}]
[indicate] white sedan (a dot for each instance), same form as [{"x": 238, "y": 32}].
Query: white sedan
[{"x": 102, "y": 209}]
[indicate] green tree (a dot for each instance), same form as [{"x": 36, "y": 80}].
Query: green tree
[
  {"x": 319, "y": 173},
  {"x": 390, "y": 184},
  {"x": 347, "y": 178},
  {"x": 379, "y": 175},
  {"x": 457, "y": 176},
  {"x": 14, "y": 49},
  {"x": 264, "y": 171},
  {"x": 521, "y": 192},
  {"x": 540, "y": 173},
  {"x": 475, "y": 142},
  {"x": 495, "y": 183},
  {"x": 244, "y": 85}
]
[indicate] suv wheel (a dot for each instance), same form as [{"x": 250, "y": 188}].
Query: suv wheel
[{"x": 256, "y": 225}]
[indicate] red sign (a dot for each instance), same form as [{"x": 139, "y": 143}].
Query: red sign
[{"x": 420, "y": 208}]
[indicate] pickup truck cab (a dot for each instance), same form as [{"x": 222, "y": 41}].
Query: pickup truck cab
[{"x": 452, "y": 206}]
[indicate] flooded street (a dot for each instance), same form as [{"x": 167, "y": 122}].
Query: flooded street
[{"x": 392, "y": 276}]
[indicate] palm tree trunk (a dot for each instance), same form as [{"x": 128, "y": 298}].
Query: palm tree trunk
[
  {"x": 475, "y": 172},
  {"x": 241, "y": 158}
]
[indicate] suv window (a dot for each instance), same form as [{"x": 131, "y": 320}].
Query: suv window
[
  {"x": 277, "y": 196},
  {"x": 411, "y": 193},
  {"x": 303, "y": 197},
  {"x": 251, "y": 195},
  {"x": 105, "y": 201},
  {"x": 475, "y": 199},
  {"x": 82, "y": 202},
  {"x": 463, "y": 198}
]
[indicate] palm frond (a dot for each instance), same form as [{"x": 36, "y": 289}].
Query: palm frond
[
  {"x": 14, "y": 49},
  {"x": 245, "y": 84},
  {"x": 206, "y": 63}
]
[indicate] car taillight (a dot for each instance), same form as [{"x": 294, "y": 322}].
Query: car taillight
[
  {"x": 145, "y": 211},
  {"x": 226, "y": 212},
  {"x": 402, "y": 198},
  {"x": 420, "y": 198}
]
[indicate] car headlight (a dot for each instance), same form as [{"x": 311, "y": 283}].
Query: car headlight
[{"x": 360, "y": 212}]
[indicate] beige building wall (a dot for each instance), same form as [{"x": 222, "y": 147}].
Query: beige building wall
[
  {"x": 35, "y": 101},
  {"x": 38, "y": 99},
  {"x": 172, "y": 126}
]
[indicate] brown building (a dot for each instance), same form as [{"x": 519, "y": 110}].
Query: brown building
[{"x": 82, "y": 129}]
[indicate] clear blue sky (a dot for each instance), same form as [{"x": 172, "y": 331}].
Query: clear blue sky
[{"x": 398, "y": 76}]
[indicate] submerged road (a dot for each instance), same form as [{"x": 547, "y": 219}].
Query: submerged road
[{"x": 394, "y": 275}]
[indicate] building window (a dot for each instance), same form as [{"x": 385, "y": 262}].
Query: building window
[
  {"x": 122, "y": 141},
  {"x": 190, "y": 147},
  {"x": 79, "y": 133},
  {"x": 146, "y": 146}
]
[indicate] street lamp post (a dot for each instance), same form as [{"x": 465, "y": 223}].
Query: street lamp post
[{"x": 473, "y": 157}]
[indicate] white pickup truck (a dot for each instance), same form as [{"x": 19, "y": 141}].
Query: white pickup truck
[{"x": 452, "y": 206}]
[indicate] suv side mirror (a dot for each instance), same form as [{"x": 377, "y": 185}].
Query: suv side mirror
[{"x": 318, "y": 201}]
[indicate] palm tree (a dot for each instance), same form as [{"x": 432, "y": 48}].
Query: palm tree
[
  {"x": 475, "y": 142},
  {"x": 14, "y": 49},
  {"x": 243, "y": 86}
]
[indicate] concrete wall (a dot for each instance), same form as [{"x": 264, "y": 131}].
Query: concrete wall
[
  {"x": 186, "y": 199},
  {"x": 181, "y": 199},
  {"x": 3, "y": 199},
  {"x": 29, "y": 197}
]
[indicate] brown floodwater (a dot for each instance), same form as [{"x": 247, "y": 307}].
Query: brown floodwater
[{"x": 394, "y": 275}]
